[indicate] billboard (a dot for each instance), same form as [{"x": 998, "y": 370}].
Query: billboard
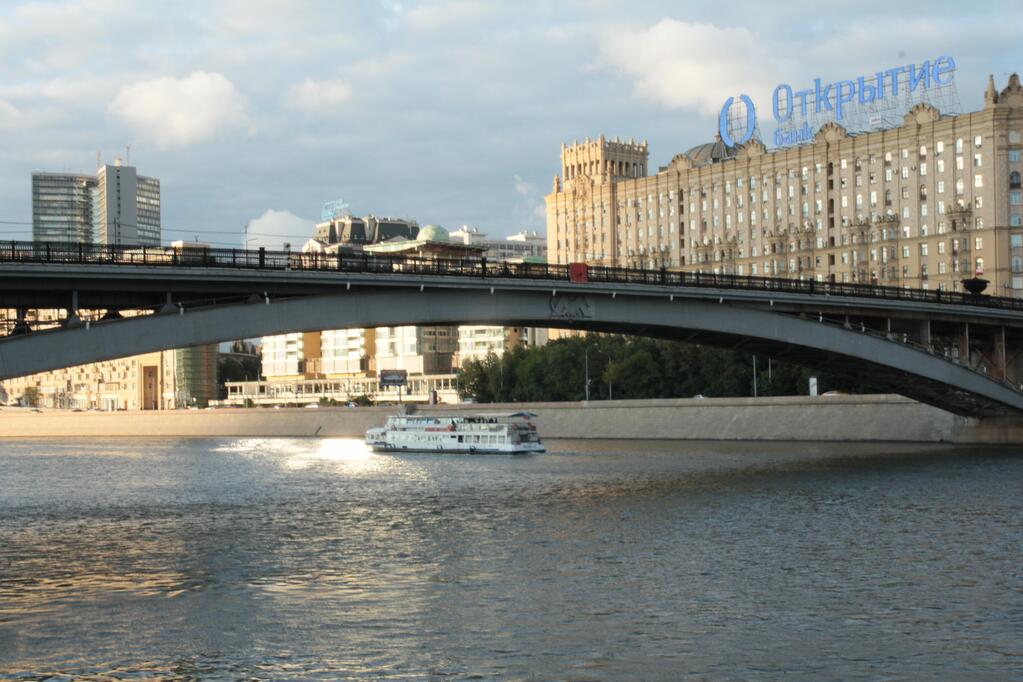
[
  {"x": 860, "y": 103},
  {"x": 393, "y": 377}
]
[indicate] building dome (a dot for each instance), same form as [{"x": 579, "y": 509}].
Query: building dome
[
  {"x": 433, "y": 233},
  {"x": 710, "y": 152}
]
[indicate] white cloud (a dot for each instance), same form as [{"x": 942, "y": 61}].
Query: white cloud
[
  {"x": 9, "y": 115},
  {"x": 319, "y": 97},
  {"x": 530, "y": 210},
  {"x": 683, "y": 65},
  {"x": 179, "y": 111},
  {"x": 523, "y": 188},
  {"x": 275, "y": 228},
  {"x": 439, "y": 16}
]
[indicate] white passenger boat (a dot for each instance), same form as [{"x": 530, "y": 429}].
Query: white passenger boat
[{"x": 511, "y": 433}]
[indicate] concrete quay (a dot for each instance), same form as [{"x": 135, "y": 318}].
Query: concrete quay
[{"x": 830, "y": 418}]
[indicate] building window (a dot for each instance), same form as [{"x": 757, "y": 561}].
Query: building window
[
  {"x": 978, "y": 161},
  {"x": 1015, "y": 220},
  {"x": 1014, "y": 180},
  {"x": 978, "y": 180},
  {"x": 978, "y": 243},
  {"x": 1013, "y": 156},
  {"x": 977, "y": 141}
]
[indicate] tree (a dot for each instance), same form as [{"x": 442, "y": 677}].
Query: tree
[
  {"x": 30, "y": 397},
  {"x": 636, "y": 367}
]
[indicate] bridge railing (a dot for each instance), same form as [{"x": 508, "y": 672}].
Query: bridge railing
[{"x": 198, "y": 255}]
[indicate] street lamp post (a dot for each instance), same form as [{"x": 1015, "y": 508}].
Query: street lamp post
[{"x": 586, "y": 364}]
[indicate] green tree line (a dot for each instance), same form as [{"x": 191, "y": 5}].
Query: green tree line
[{"x": 625, "y": 367}]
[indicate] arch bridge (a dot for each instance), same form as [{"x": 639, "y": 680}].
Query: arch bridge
[{"x": 955, "y": 351}]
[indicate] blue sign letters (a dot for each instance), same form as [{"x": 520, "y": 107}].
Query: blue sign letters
[
  {"x": 834, "y": 99},
  {"x": 751, "y": 121}
]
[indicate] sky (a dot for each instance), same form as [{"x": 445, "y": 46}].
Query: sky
[{"x": 254, "y": 113}]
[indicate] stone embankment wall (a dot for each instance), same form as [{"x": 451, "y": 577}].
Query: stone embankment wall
[{"x": 832, "y": 418}]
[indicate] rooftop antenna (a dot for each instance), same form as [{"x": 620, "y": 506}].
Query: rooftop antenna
[
  {"x": 99, "y": 159},
  {"x": 127, "y": 155}
]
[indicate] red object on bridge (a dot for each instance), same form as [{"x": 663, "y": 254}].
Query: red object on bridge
[{"x": 578, "y": 272}]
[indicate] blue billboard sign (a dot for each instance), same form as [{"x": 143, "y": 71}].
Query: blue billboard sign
[
  {"x": 798, "y": 112},
  {"x": 334, "y": 209}
]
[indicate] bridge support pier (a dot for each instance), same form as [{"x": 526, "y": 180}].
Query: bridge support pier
[
  {"x": 73, "y": 320},
  {"x": 999, "y": 353},
  {"x": 964, "y": 344},
  {"x": 925, "y": 333}
]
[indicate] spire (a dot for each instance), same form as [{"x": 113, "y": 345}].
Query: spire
[{"x": 990, "y": 95}]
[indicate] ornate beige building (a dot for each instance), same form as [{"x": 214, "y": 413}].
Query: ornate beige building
[{"x": 921, "y": 205}]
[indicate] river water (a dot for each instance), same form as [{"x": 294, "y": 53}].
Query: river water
[{"x": 304, "y": 558}]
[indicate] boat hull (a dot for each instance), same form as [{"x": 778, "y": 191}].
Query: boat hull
[{"x": 525, "y": 449}]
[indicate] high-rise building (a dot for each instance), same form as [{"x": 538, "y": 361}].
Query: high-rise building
[
  {"x": 62, "y": 207},
  {"x": 923, "y": 204},
  {"x": 126, "y": 206},
  {"x": 347, "y": 352},
  {"x": 115, "y": 206},
  {"x": 417, "y": 350}
]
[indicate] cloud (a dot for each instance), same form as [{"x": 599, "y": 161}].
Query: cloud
[
  {"x": 523, "y": 188},
  {"x": 530, "y": 210},
  {"x": 682, "y": 65},
  {"x": 180, "y": 111},
  {"x": 439, "y": 16},
  {"x": 9, "y": 115},
  {"x": 275, "y": 228},
  {"x": 319, "y": 97}
]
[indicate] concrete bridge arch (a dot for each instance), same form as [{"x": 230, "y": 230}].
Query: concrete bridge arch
[{"x": 888, "y": 364}]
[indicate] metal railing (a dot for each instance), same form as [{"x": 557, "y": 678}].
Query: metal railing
[{"x": 263, "y": 259}]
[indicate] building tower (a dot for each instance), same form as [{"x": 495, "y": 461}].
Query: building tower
[
  {"x": 126, "y": 206},
  {"x": 62, "y": 208},
  {"x": 590, "y": 173},
  {"x": 604, "y": 159}
]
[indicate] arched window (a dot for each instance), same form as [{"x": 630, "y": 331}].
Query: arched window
[{"x": 1014, "y": 180}]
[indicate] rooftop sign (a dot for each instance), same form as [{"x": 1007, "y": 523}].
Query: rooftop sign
[
  {"x": 334, "y": 209},
  {"x": 799, "y": 113}
]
